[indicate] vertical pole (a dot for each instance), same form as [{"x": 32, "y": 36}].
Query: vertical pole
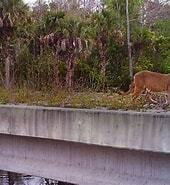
[
  {"x": 7, "y": 72},
  {"x": 128, "y": 41}
]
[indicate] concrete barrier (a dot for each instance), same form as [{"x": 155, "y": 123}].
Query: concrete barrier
[{"x": 119, "y": 129}]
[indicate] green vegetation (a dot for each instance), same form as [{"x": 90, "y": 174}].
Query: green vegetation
[{"x": 63, "y": 98}]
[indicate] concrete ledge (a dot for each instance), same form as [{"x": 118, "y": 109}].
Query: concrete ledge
[{"x": 119, "y": 129}]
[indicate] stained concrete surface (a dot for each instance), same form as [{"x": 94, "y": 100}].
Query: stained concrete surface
[{"x": 146, "y": 131}]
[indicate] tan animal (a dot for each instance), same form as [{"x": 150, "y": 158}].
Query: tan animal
[{"x": 151, "y": 81}]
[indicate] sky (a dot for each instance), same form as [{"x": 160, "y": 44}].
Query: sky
[{"x": 29, "y": 1}]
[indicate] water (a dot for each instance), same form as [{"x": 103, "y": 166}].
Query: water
[{"x": 9, "y": 178}]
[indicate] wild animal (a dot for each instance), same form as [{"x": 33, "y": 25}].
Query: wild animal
[{"x": 149, "y": 81}]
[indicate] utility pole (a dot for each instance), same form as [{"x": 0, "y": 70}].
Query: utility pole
[{"x": 128, "y": 41}]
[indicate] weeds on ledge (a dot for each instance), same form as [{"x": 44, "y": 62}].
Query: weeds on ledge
[{"x": 63, "y": 98}]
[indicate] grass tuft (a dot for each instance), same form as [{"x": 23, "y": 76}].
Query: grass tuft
[{"x": 63, "y": 98}]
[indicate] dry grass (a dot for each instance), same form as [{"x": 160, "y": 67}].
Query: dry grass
[{"x": 63, "y": 98}]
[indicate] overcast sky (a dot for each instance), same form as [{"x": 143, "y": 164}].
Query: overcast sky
[{"x": 29, "y": 1}]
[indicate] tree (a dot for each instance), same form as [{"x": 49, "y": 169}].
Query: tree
[
  {"x": 66, "y": 42},
  {"x": 156, "y": 10},
  {"x": 128, "y": 41},
  {"x": 10, "y": 11},
  {"x": 40, "y": 8}
]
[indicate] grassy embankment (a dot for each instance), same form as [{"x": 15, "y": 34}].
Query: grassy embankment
[{"x": 63, "y": 98}]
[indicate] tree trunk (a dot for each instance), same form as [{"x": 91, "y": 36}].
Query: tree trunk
[
  {"x": 103, "y": 58},
  {"x": 56, "y": 71},
  {"x": 128, "y": 41},
  {"x": 142, "y": 10},
  {"x": 7, "y": 72},
  {"x": 104, "y": 64},
  {"x": 84, "y": 4},
  {"x": 70, "y": 72},
  {"x": 56, "y": 74},
  {"x": 12, "y": 178}
]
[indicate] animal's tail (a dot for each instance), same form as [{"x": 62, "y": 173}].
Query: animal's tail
[{"x": 131, "y": 89}]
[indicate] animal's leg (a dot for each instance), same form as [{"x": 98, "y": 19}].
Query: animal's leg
[
  {"x": 147, "y": 93},
  {"x": 166, "y": 99},
  {"x": 165, "y": 102},
  {"x": 169, "y": 94},
  {"x": 149, "y": 96},
  {"x": 137, "y": 92}
]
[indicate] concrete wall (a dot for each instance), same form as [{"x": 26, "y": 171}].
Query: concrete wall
[
  {"x": 129, "y": 130},
  {"x": 81, "y": 163},
  {"x": 86, "y": 147}
]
